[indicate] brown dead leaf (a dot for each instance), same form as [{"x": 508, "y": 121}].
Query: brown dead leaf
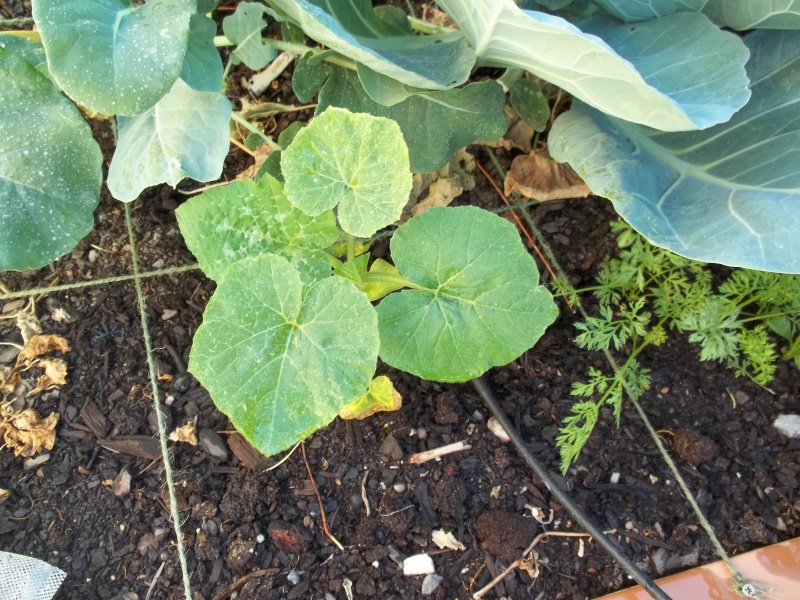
[
  {"x": 38, "y": 345},
  {"x": 261, "y": 154},
  {"x": 55, "y": 373},
  {"x": 443, "y": 186},
  {"x": 9, "y": 381},
  {"x": 518, "y": 135},
  {"x": 186, "y": 433},
  {"x": 28, "y": 325},
  {"x": 27, "y": 433},
  {"x": 539, "y": 177},
  {"x": 433, "y": 15}
]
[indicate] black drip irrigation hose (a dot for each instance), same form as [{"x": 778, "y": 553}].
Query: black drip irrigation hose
[{"x": 563, "y": 498}]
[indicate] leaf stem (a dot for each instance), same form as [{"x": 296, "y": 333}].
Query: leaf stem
[
  {"x": 237, "y": 118},
  {"x": 422, "y": 26},
  {"x": 391, "y": 278},
  {"x": 221, "y": 41},
  {"x": 351, "y": 247}
]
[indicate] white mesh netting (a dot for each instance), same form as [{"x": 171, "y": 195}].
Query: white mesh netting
[{"x": 25, "y": 578}]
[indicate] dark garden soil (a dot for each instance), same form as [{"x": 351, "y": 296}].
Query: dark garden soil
[{"x": 240, "y": 521}]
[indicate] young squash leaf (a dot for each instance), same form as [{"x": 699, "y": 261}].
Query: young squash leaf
[
  {"x": 245, "y": 219},
  {"x": 114, "y": 56},
  {"x": 478, "y": 304},
  {"x": 185, "y": 135},
  {"x": 676, "y": 73},
  {"x": 730, "y": 194},
  {"x": 202, "y": 65},
  {"x": 354, "y": 162},
  {"x": 350, "y": 27},
  {"x": 434, "y": 124},
  {"x": 28, "y": 50},
  {"x": 279, "y": 359},
  {"x": 50, "y": 168}
]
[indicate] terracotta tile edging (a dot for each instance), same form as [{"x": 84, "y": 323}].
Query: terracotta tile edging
[{"x": 777, "y": 566}]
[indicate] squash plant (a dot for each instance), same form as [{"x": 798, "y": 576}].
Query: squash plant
[{"x": 290, "y": 337}]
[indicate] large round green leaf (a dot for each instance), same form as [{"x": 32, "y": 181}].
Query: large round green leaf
[
  {"x": 356, "y": 162},
  {"x": 112, "y": 56},
  {"x": 479, "y": 305},
  {"x": 50, "y": 169},
  {"x": 281, "y": 360},
  {"x": 242, "y": 219}
]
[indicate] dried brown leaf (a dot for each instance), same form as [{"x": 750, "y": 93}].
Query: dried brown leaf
[
  {"x": 28, "y": 325},
  {"x": 261, "y": 154},
  {"x": 519, "y": 134},
  {"x": 8, "y": 382},
  {"x": 186, "y": 433},
  {"x": 38, "y": 345},
  {"x": 539, "y": 177},
  {"x": 443, "y": 186},
  {"x": 27, "y": 433},
  {"x": 55, "y": 373}
]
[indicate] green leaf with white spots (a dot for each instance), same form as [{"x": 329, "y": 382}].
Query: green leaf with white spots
[
  {"x": 281, "y": 359},
  {"x": 434, "y": 124},
  {"x": 28, "y": 50},
  {"x": 185, "y": 135},
  {"x": 50, "y": 169},
  {"x": 113, "y": 56},
  {"x": 477, "y": 304},
  {"x": 244, "y": 28},
  {"x": 355, "y": 163},
  {"x": 202, "y": 65},
  {"x": 245, "y": 219}
]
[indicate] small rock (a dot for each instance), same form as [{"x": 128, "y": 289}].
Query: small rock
[
  {"x": 741, "y": 397},
  {"x": 788, "y": 425},
  {"x": 399, "y": 487},
  {"x": 391, "y": 448},
  {"x": 92, "y": 255},
  {"x": 419, "y": 564},
  {"x": 159, "y": 263},
  {"x": 430, "y": 583},
  {"x": 31, "y": 463},
  {"x": 121, "y": 485},
  {"x": 293, "y": 577},
  {"x": 660, "y": 558},
  {"x": 213, "y": 445},
  {"x": 168, "y": 314},
  {"x": 494, "y": 426}
]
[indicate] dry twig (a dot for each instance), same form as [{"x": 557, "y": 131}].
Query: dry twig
[
  {"x": 422, "y": 457},
  {"x": 319, "y": 500},
  {"x": 485, "y": 590}
]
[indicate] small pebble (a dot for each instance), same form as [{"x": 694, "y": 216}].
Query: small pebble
[
  {"x": 293, "y": 577},
  {"x": 92, "y": 255},
  {"x": 121, "y": 486},
  {"x": 399, "y": 487},
  {"x": 788, "y": 425},
  {"x": 260, "y": 538},
  {"x": 419, "y": 564},
  {"x": 494, "y": 426},
  {"x": 168, "y": 314},
  {"x": 614, "y": 478},
  {"x": 430, "y": 583},
  {"x": 213, "y": 445},
  {"x": 159, "y": 263},
  {"x": 31, "y": 463}
]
